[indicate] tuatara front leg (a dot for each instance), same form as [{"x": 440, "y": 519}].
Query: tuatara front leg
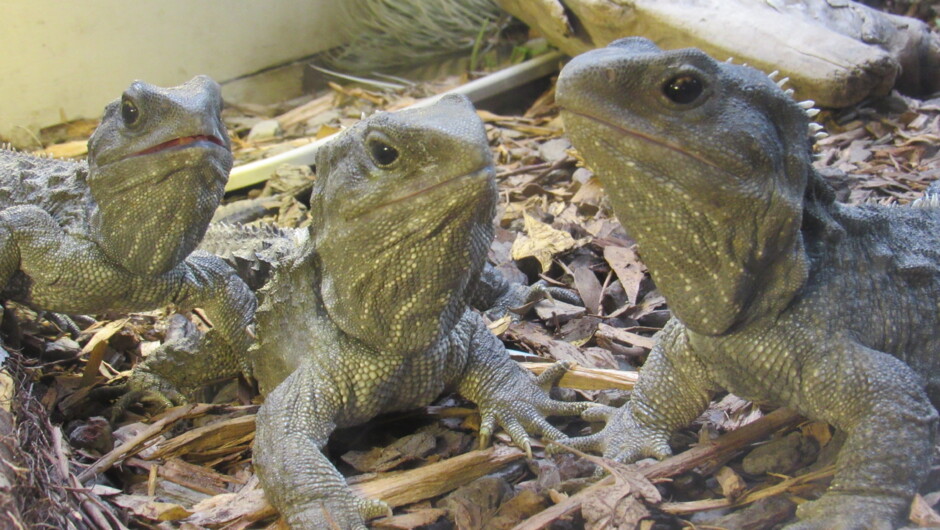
[
  {"x": 859, "y": 390},
  {"x": 213, "y": 285},
  {"x": 189, "y": 360},
  {"x": 293, "y": 425},
  {"x": 507, "y": 395},
  {"x": 868, "y": 394},
  {"x": 496, "y": 296},
  {"x": 672, "y": 391}
]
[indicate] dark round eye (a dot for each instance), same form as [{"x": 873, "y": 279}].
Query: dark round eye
[
  {"x": 382, "y": 153},
  {"x": 683, "y": 89},
  {"x": 129, "y": 112}
]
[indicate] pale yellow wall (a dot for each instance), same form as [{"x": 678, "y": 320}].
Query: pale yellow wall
[{"x": 68, "y": 59}]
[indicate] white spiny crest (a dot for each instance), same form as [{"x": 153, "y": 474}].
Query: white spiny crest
[
  {"x": 788, "y": 92},
  {"x": 806, "y": 104},
  {"x": 783, "y": 81},
  {"x": 815, "y": 127},
  {"x": 812, "y": 112},
  {"x": 930, "y": 200},
  {"x": 730, "y": 60},
  {"x": 773, "y": 75}
]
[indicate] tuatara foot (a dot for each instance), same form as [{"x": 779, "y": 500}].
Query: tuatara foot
[
  {"x": 187, "y": 360},
  {"x": 623, "y": 438},
  {"x": 340, "y": 512},
  {"x": 149, "y": 389},
  {"x": 838, "y": 511},
  {"x": 520, "y": 404},
  {"x": 519, "y": 298}
]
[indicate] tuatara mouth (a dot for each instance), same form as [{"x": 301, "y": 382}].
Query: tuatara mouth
[
  {"x": 424, "y": 191},
  {"x": 180, "y": 142},
  {"x": 647, "y": 138}
]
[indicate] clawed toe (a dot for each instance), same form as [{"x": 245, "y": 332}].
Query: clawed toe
[
  {"x": 593, "y": 443},
  {"x": 147, "y": 389}
]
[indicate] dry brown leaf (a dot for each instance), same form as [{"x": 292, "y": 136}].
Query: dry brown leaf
[
  {"x": 499, "y": 326},
  {"x": 630, "y": 271},
  {"x": 148, "y": 508},
  {"x": 590, "y": 193},
  {"x": 559, "y": 350},
  {"x": 922, "y": 514},
  {"x": 326, "y": 130},
  {"x": 541, "y": 241},
  {"x": 589, "y": 288},
  {"x": 96, "y": 347},
  {"x": 406, "y": 449},
  {"x": 818, "y": 431},
  {"x": 557, "y": 312},
  {"x": 620, "y": 506},
  {"x": 624, "y": 336},
  {"x": 517, "y": 509}
]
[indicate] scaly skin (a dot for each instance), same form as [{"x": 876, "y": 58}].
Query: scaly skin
[
  {"x": 779, "y": 294},
  {"x": 368, "y": 310},
  {"x": 254, "y": 250},
  {"x": 117, "y": 233}
]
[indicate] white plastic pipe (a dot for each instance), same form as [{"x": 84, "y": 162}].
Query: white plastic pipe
[{"x": 477, "y": 90}]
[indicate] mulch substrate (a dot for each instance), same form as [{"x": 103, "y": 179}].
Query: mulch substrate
[{"x": 190, "y": 467}]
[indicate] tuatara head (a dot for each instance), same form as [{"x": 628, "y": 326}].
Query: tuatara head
[
  {"x": 402, "y": 220},
  {"x": 158, "y": 166},
  {"x": 706, "y": 164}
]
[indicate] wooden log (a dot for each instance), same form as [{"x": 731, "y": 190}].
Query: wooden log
[{"x": 809, "y": 42}]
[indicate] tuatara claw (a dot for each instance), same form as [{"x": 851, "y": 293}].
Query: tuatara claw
[
  {"x": 593, "y": 443},
  {"x": 552, "y": 375},
  {"x": 520, "y": 404},
  {"x": 623, "y": 439}
]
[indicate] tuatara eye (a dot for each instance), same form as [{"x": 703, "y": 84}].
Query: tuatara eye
[
  {"x": 382, "y": 153},
  {"x": 129, "y": 112},
  {"x": 683, "y": 89}
]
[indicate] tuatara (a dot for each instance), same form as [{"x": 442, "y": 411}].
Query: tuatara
[
  {"x": 779, "y": 293},
  {"x": 118, "y": 233},
  {"x": 368, "y": 310}
]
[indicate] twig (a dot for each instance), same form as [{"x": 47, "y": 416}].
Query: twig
[
  {"x": 432, "y": 480},
  {"x": 686, "y": 508},
  {"x": 675, "y": 465},
  {"x": 136, "y": 443},
  {"x": 581, "y": 378}
]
